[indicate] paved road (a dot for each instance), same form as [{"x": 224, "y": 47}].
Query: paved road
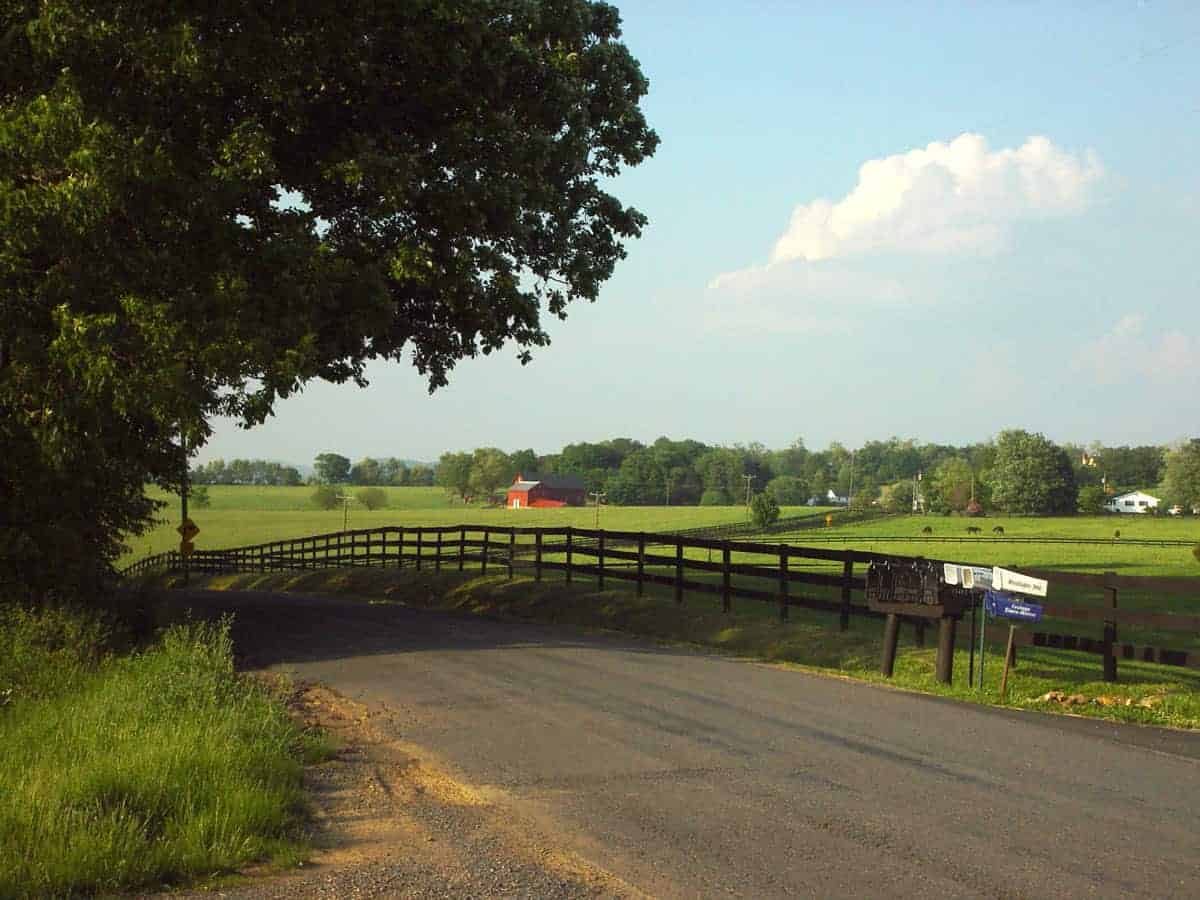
[{"x": 687, "y": 774}]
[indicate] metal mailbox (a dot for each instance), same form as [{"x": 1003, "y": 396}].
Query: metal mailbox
[{"x": 914, "y": 588}]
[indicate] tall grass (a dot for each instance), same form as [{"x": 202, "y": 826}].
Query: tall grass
[{"x": 140, "y": 769}]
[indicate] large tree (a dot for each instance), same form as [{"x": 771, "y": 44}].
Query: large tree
[
  {"x": 1182, "y": 481},
  {"x": 1031, "y": 475},
  {"x": 205, "y": 205}
]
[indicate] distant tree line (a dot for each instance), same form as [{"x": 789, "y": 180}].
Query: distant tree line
[
  {"x": 1018, "y": 472},
  {"x": 333, "y": 468},
  {"x": 246, "y": 471}
]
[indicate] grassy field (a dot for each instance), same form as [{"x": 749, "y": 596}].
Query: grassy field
[
  {"x": 241, "y": 515},
  {"x": 138, "y": 769},
  {"x": 1169, "y": 696},
  {"x": 1116, "y": 555}
]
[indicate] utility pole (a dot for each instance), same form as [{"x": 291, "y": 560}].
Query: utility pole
[
  {"x": 749, "y": 481},
  {"x": 599, "y": 495},
  {"x": 183, "y": 501},
  {"x": 850, "y": 497},
  {"x": 345, "y": 498}
]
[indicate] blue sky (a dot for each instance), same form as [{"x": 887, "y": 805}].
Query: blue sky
[{"x": 925, "y": 220}]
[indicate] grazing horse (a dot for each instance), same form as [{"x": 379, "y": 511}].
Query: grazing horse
[
  {"x": 999, "y": 529},
  {"x": 974, "y": 529},
  {"x": 926, "y": 530}
]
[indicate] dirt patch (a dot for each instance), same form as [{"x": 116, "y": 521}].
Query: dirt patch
[{"x": 389, "y": 820}]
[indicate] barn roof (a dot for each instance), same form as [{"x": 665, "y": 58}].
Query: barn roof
[{"x": 554, "y": 482}]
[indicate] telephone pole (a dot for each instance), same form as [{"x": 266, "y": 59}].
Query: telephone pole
[
  {"x": 749, "y": 481},
  {"x": 599, "y": 495}
]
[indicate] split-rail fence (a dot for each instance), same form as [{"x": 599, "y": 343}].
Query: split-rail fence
[{"x": 780, "y": 574}]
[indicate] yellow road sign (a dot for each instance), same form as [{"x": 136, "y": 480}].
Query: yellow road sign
[
  {"x": 186, "y": 548},
  {"x": 188, "y": 530}
]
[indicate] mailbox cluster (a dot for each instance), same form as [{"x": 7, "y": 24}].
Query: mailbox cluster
[{"x": 916, "y": 588}]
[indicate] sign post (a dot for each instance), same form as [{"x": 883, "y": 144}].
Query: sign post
[
  {"x": 187, "y": 533},
  {"x": 1005, "y": 605}
]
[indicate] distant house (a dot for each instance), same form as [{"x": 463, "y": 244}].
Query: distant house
[
  {"x": 830, "y": 499},
  {"x": 546, "y": 491},
  {"x": 1132, "y": 502}
]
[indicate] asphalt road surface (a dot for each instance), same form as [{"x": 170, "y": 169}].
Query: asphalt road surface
[{"x": 687, "y": 774}]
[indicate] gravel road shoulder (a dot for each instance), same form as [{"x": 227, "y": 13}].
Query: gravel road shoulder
[{"x": 389, "y": 821}]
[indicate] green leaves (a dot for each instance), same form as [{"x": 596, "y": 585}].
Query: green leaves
[{"x": 446, "y": 157}]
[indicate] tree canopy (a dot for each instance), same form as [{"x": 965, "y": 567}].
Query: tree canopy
[
  {"x": 1182, "y": 480},
  {"x": 206, "y": 205},
  {"x": 1031, "y": 475}
]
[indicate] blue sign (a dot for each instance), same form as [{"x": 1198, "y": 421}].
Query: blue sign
[{"x": 1006, "y": 606}]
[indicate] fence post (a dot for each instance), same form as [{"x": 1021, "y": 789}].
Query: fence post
[
  {"x": 437, "y": 562},
  {"x": 783, "y": 582},
  {"x": 947, "y": 629},
  {"x": 600, "y": 561},
  {"x": 512, "y": 548},
  {"x": 725, "y": 576},
  {"x": 400, "y": 549},
  {"x": 1110, "y": 627},
  {"x": 486, "y": 538},
  {"x": 678, "y": 570},
  {"x": 569, "y": 532},
  {"x": 537, "y": 555},
  {"x": 462, "y": 548},
  {"x": 420, "y": 541},
  {"x": 891, "y": 636},
  {"x": 847, "y": 574},
  {"x": 641, "y": 563},
  {"x": 262, "y": 558}
]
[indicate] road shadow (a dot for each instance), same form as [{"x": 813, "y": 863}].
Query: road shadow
[{"x": 275, "y": 628}]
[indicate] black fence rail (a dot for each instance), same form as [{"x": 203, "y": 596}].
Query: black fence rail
[
  {"x": 996, "y": 538},
  {"x": 776, "y": 573}
]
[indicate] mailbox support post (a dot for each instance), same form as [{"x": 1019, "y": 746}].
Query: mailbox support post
[
  {"x": 891, "y": 635},
  {"x": 947, "y": 627}
]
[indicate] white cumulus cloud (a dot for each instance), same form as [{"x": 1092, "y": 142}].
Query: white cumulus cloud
[
  {"x": 1126, "y": 351},
  {"x": 943, "y": 198}
]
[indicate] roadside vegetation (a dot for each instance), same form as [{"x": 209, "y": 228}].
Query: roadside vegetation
[
  {"x": 1146, "y": 693},
  {"x": 135, "y": 769}
]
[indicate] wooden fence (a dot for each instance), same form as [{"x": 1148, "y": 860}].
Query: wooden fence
[{"x": 778, "y": 574}]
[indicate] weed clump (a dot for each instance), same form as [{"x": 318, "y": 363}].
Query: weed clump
[{"x": 140, "y": 769}]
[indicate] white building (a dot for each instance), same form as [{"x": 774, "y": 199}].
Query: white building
[{"x": 1133, "y": 502}]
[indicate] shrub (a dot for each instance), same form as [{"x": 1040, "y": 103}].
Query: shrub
[
  {"x": 325, "y": 496},
  {"x": 372, "y": 498},
  {"x": 715, "y": 497},
  {"x": 764, "y": 509},
  {"x": 198, "y": 496},
  {"x": 45, "y": 652}
]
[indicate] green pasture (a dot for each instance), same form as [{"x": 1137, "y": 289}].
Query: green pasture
[
  {"x": 1111, "y": 555},
  {"x": 240, "y": 515}
]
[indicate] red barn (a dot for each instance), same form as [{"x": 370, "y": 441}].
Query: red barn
[{"x": 546, "y": 491}]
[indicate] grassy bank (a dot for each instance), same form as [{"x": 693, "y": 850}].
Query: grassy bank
[
  {"x": 139, "y": 769},
  {"x": 1169, "y": 696}
]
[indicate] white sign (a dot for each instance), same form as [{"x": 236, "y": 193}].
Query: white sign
[
  {"x": 973, "y": 578},
  {"x": 1007, "y": 580}
]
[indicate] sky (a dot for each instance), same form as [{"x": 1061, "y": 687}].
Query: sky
[{"x": 925, "y": 220}]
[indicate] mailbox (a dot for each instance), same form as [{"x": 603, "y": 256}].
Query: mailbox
[{"x": 913, "y": 588}]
